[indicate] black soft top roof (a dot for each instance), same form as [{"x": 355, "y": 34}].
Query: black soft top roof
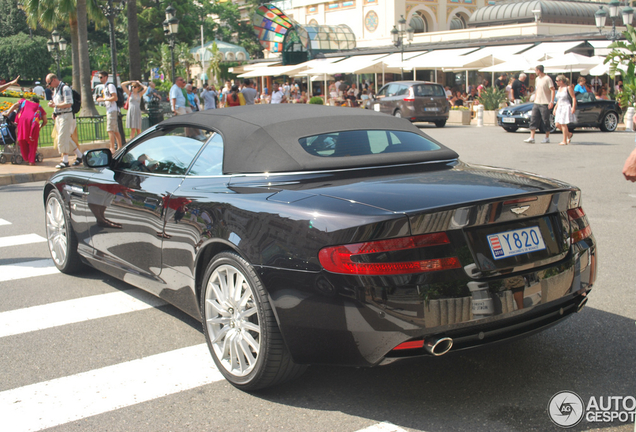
[{"x": 264, "y": 138}]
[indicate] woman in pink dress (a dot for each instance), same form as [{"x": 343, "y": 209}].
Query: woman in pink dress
[{"x": 30, "y": 113}]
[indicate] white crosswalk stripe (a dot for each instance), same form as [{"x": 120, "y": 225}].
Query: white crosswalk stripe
[
  {"x": 27, "y": 269},
  {"x": 21, "y": 240},
  {"x": 59, "y": 401},
  {"x": 4, "y": 222},
  {"x": 72, "y": 311}
]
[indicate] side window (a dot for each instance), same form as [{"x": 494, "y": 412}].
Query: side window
[
  {"x": 392, "y": 89},
  {"x": 402, "y": 90},
  {"x": 210, "y": 161},
  {"x": 382, "y": 91},
  {"x": 170, "y": 153}
]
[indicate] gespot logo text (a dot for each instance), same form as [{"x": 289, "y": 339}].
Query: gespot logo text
[{"x": 567, "y": 409}]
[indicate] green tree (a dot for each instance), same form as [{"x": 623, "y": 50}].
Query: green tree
[
  {"x": 214, "y": 68},
  {"x": 23, "y": 50},
  {"x": 12, "y": 19},
  {"x": 624, "y": 54}
]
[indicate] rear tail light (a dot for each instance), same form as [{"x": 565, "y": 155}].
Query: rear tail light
[
  {"x": 411, "y": 96},
  {"x": 579, "y": 227},
  {"x": 350, "y": 259},
  {"x": 410, "y": 345}
]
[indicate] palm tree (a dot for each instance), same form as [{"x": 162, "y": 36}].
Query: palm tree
[
  {"x": 216, "y": 57},
  {"x": 134, "y": 53},
  {"x": 49, "y": 14}
]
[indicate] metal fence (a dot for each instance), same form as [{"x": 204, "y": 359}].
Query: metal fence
[{"x": 89, "y": 129}]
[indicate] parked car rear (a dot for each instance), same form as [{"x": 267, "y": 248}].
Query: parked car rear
[{"x": 417, "y": 101}]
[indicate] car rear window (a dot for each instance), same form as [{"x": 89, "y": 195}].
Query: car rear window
[
  {"x": 428, "y": 90},
  {"x": 365, "y": 142}
]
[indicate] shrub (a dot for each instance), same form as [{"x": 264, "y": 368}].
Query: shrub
[
  {"x": 316, "y": 100},
  {"x": 491, "y": 98}
]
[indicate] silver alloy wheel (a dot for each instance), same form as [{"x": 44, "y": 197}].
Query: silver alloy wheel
[
  {"x": 610, "y": 122},
  {"x": 56, "y": 231},
  {"x": 232, "y": 320},
  {"x": 398, "y": 114}
]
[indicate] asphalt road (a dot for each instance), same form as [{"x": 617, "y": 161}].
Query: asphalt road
[{"x": 71, "y": 372}]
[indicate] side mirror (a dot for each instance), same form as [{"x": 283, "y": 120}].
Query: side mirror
[{"x": 98, "y": 158}]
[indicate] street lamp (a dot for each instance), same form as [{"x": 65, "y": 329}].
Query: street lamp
[
  {"x": 614, "y": 9},
  {"x": 56, "y": 44},
  {"x": 170, "y": 30},
  {"x": 110, "y": 11},
  {"x": 397, "y": 35}
]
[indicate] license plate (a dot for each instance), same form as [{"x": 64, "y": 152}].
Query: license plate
[
  {"x": 508, "y": 120},
  {"x": 376, "y": 107},
  {"x": 516, "y": 242},
  {"x": 431, "y": 109}
]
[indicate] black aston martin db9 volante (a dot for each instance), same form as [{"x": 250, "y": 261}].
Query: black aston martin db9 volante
[{"x": 303, "y": 234}]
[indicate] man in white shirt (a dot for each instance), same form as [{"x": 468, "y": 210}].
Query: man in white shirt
[
  {"x": 543, "y": 103},
  {"x": 62, "y": 105},
  {"x": 178, "y": 99},
  {"x": 208, "y": 96},
  {"x": 39, "y": 90},
  {"x": 112, "y": 111},
  {"x": 596, "y": 83},
  {"x": 278, "y": 96}
]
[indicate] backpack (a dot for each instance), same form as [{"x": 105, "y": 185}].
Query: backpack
[
  {"x": 77, "y": 102},
  {"x": 121, "y": 97}
]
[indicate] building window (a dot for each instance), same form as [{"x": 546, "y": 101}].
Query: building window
[
  {"x": 457, "y": 23},
  {"x": 419, "y": 23},
  {"x": 312, "y": 9},
  {"x": 371, "y": 21}
]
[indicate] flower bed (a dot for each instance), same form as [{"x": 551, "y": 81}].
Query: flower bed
[{"x": 17, "y": 94}]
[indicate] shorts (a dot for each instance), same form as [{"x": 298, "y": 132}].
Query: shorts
[
  {"x": 540, "y": 116},
  {"x": 111, "y": 121},
  {"x": 183, "y": 110}
]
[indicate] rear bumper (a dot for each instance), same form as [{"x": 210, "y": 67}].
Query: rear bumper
[{"x": 331, "y": 319}]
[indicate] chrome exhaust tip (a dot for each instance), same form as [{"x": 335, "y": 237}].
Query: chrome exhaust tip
[
  {"x": 438, "y": 346},
  {"x": 581, "y": 305}
]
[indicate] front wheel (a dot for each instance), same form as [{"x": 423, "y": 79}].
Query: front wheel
[
  {"x": 440, "y": 123},
  {"x": 240, "y": 328},
  {"x": 398, "y": 113},
  {"x": 60, "y": 236},
  {"x": 610, "y": 122}
]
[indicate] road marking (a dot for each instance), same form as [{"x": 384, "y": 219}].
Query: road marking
[
  {"x": 21, "y": 240},
  {"x": 382, "y": 427},
  {"x": 4, "y": 222},
  {"x": 63, "y": 400},
  {"x": 73, "y": 311},
  {"x": 27, "y": 269}
]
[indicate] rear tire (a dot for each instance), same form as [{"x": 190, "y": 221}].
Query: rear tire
[
  {"x": 18, "y": 160},
  {"x": 440, "y": 123},
  {"x": 3, "y": 159},
  {"x": 239, "y": 326},
  {"x": 60, "y": 236},
  {"x": 610, "y": 122},
  {"x": 398, "y": 113}
]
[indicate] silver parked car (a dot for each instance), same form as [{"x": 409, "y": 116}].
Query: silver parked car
[{"x": 417, "y": 101}]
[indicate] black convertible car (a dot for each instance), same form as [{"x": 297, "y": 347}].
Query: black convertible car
[
  {"x": 590, "y": 112},
  {"x": 303, "y": 234}
]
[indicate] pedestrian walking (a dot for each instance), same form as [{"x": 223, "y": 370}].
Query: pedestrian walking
[
  {"x": 249, "y": 92},
  {"x": 543, "y": 103},
  {"x": 565, "y": 108},
  {"x": 39, "y": 90},
  {"x": 112, "y": 111},
  {"x": 30, "y": 113},
  {"x": 62, "y": 104},
  {"x": 209, "y": 97},
  {"x": 178, "y": 99},
  {"x": 133, "y": 116}
]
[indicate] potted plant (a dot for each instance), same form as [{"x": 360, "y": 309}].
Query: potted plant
[
  {"x": 491, "y": 98},
  {"x": 459, "y": 115}
]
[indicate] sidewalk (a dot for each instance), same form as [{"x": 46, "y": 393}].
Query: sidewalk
[{"x": 23, "y": 173}]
